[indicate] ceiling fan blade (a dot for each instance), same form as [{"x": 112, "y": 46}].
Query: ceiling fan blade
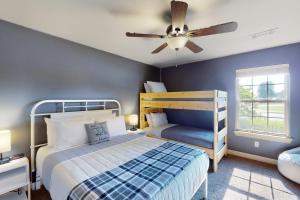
[
  {"x": 161, "y": 47},
  {"x": 193, "y": 47},
  {"x": 128, "y": 34},
  {"x": 217, "y": 29},
  {"x": 178, "y": 12}
]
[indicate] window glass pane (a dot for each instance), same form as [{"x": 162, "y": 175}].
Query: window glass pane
[
  {"x": 277, "y": 92},
  {"x": 262, "y": 102},
  {"x": 245, "y": 81},
  {"x": 260, "y": 109},
  {"x": 246, "y": 109},
  {"x": 260, "y": 123},
  {"x": 276, "y": 110},
  {"x": 276, "y": 125},
  {"x": 245, "y": 92},
  {"x": 258, "y": 80},
  {"x": 260, "y": 92},
  {"x": 245, "y": 123},
  {"x": 275, "y": 79}
]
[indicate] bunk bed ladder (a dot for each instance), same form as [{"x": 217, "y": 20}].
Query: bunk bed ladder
[
  {"x": 220, "y": 101},
  {"x": 216, "y": 130}
]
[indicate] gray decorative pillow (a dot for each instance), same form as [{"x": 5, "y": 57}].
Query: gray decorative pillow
[{"x": 97, "y": 132}]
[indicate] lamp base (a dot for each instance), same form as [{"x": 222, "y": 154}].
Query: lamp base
[{"x": 133, "y": 129}]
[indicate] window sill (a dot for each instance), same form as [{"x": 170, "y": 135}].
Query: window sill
[{"x": 261, "y": 136}]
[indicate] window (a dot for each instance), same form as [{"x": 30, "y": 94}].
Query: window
[{"x": 263, "y": 100}]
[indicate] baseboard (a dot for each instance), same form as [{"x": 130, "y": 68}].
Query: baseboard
[{"x": 252, "y": 157}]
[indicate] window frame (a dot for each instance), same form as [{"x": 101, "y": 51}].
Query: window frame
[{"x": 265, "y": 135}]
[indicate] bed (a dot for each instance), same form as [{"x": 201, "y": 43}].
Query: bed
[
  {"x": 213, "y": 142},
  {"x": 62, "y": 171},
  {"x": 186, "y": 134}
]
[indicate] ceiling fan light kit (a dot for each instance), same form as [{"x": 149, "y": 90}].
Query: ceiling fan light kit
[
  {"x": 178, "y": 35},
  {"x": 177, "y": 43}
]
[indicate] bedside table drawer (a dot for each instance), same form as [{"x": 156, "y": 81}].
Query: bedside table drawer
[{"x": 13, "y": 179}]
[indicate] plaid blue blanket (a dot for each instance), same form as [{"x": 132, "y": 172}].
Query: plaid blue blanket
[{"x": 140, "y": 178}]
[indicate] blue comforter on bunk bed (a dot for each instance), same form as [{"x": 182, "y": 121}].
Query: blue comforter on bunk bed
[{"x": 191, "y": 135}]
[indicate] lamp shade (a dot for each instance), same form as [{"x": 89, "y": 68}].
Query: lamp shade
[
  {"x": 5, "y": 141},
  {"x": 133, "y": 120}
]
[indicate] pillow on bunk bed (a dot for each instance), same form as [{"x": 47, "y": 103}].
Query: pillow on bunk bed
[
  {"x": 156, "y": 86},
  {"x": 159, "y": 119},
  {"x": 149, "y": 120},
  {"x": 147, "y": 88}
]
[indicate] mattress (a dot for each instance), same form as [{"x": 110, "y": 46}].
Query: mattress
[
  {"x": 43, "y": 153},
  {"x": 156, "y": 131},
  {"x": 186, "y": 134},
  {"x": 62, "y": 171}
]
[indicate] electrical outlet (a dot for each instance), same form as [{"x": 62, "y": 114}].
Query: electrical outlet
[{"x": 256, "y": 144}]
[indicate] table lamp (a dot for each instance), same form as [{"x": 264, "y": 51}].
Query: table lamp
[
  {"x": 5, "y": 144},
  {"x": 133, "y": 121}
]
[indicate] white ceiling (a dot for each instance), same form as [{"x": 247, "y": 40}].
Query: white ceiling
[{"x": 102, "y": 24}]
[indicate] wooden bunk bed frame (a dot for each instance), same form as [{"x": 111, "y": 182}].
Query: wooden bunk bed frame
[{"x": 214, "y": 101}]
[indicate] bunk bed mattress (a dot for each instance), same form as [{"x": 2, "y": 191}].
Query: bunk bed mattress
[
  {"x": 62, "y": 171},
  {"x": 186, "y": 134}
]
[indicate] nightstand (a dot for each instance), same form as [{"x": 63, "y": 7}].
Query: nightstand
[
  {"x": 138, "y": 131},
  {"x": 13, "y": 176}
]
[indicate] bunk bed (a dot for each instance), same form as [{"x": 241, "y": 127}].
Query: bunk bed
[{"x": 214, "y": 101}]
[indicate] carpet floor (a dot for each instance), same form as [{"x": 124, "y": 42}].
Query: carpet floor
[
  {"x": 243, "y": 179},
  {"x": 238, "y": 179}
]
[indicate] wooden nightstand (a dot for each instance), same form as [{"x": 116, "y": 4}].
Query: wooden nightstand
[
  {"x": 138, "y": 131},
  {"x": 14, "y": 175}
]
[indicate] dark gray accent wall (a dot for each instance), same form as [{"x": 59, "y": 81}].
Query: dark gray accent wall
[
  {"x": 220, "y": 74},
  {"x": 35, "y": 66}
]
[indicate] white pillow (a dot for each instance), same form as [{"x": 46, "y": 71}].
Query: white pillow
[
  {"x": 156, "y": 86},
  {"x": 147, "y": 88},
  {"x": 76, "y": 114},
  {"x": 159, "y": 119},
  {"x": 63, "y": 134},
  {"x": 50, "y": 132},
  {"x": 67, "y": 115},
  {"x": 100, "y": 118},
  {"x": 116, "y": 126},
  {"x": 149, "y": 120},
  {"x": 99, "y": 112},
  {"x": 52, "y": 128}
]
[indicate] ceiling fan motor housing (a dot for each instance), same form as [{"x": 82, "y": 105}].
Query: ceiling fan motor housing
[
  {"x": 170, "y": 31},
  {"x": 177, "y": 40}
]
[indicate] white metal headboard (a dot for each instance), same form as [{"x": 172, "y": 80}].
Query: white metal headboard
[{"x": 65, "y": 106}]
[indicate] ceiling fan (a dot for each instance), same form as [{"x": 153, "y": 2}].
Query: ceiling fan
[{"x": 178, "y": 34}]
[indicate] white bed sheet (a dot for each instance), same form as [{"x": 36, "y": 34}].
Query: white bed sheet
[
  {"x": 156, "y": 131},
  {"x": 66, "y": 175},
  {"x": 42, "y": 153}
]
